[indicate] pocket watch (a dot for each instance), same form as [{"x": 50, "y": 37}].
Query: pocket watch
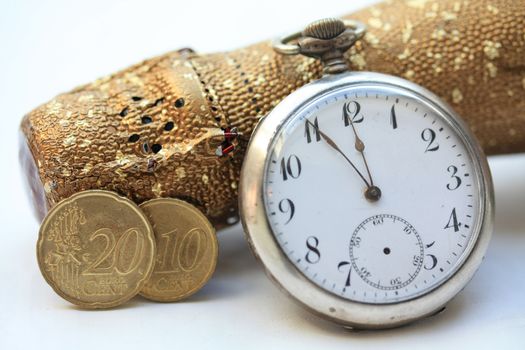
[{"x": 365, "y": 196}]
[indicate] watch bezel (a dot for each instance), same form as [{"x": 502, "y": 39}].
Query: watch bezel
[{"x": 289, "y": 279}]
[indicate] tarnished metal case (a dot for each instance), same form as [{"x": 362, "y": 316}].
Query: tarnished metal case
[{"x": 288, "y": 277}]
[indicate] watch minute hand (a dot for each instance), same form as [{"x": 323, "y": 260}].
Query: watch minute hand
[{"x": 332, "y": 144}]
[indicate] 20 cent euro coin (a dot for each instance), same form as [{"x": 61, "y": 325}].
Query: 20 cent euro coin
[{"x": 96, "y": 249}]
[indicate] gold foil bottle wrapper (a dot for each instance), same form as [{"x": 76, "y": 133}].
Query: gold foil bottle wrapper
[{"x": 177, "y": 125}]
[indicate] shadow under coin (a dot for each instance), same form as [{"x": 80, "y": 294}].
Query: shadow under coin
[
  {"x": 234, "y": 273},
  {"x": 235, "y": 269},
  {"x": 130, "y": 304}
]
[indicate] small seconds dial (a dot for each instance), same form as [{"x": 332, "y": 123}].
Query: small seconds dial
[
  {"x": 372, "y": 194},
  {"x": 394, "y": 242}
]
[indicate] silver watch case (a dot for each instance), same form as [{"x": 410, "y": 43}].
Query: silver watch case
[{"x": 289, "y": 279}]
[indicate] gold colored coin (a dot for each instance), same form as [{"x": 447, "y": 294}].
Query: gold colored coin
[
  {"x": 96, "y": 249},
  {"x": 187, "y": 250}
]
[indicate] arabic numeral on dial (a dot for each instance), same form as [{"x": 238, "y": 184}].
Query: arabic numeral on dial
[
  {"x": 429, "y": 136},
  {"x": 308, "y": 131},
  {"x": 456, "y": 179},
  {"x": 378, "y": 221},
  {"x": 290, "y": 167},
  {"x": 417, "y": 260},
  {"x": 344, "y": 264},
  {"x": 433, "y": 262},
  {"x": 395, "y": 281},
  {"x": 355, "y": 242},
  {"x": 453, "y": 221},
  {"x": 351, "y": 113},
  {"x": 313, "y": 255},
  {"x": 286, "y": 206},
  {"x": 364, "y": 272}
]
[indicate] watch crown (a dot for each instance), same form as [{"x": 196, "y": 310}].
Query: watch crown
[
  {"x": 326, "y": 39},
  {"x": 325, "y": 29}
]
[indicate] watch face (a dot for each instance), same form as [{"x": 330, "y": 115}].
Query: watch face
[{"x": 372, "y": 194}]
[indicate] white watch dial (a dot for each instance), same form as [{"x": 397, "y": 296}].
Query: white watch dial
[{"x": 419, "y": 218}]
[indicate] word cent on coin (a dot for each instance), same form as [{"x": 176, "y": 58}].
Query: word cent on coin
[
  {"x": 187, "y": 250},
  {"x": 96, "y": 249}
]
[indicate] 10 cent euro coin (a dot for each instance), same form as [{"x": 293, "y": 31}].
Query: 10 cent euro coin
[{"x": 187, "y": 250}]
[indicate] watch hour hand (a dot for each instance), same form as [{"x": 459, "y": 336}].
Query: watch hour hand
[{"x": 373, "y": 193}]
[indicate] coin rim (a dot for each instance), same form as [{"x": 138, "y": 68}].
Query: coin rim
[
  {"x": 150, "y": 237},
  {"x": 215, "y": 248}
]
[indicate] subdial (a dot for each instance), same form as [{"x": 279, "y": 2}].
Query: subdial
[{"x": 386, "y": 251}]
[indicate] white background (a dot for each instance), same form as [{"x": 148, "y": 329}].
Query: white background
[{"x": 47, "y": 47}]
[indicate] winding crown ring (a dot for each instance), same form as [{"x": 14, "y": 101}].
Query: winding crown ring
[{"x": 283, "y": 45}]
